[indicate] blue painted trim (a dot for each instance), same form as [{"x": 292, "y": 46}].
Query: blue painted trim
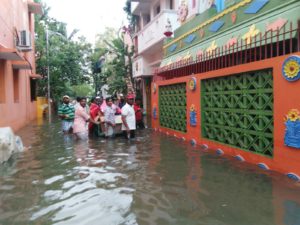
[
  {"x": 255, "y": 6},
  {"x": 239, "y": 158},
  {"x": 172, "y": 48},
  {"x": 193, "y": 142},
  {"x": 216, "y": 26},
  {"x": 219, "y": 152},
  {"x": 293, "y": 176},
  {"x": 205, "y": 146},
  {"x": 220, "y": 5},
  {"x": 263, "y": 166},
  {"x": 190, "y": 38}
]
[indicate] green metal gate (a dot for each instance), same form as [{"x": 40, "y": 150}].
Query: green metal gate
[
  {"x": 172, "y": 106},
  {"x": 237, "y": 110}
]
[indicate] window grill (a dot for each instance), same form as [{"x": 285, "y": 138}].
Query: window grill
[
  {"x": 172, "y": 106},
  {"x": 237, "y": 110}
]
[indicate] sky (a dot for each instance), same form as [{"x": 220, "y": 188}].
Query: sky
[{"x": 89, "y": 16}]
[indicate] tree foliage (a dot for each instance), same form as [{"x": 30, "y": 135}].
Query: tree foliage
[
  {"x": 68, "y": 59},
  {"x": 73, "y": 64},
  {"x": 120, "y": 67},
  {"x": 132, "y": 19},
  {"x": 112, "y": 61},
  {"x": 116, "y": 66},
  {"x": 82, "y": 90},
  {"x": 98, "y": 57}
]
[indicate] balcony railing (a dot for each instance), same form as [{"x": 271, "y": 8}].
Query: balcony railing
[
  {"x": 263, "y": 46},
  {"x": 142, "y": 67},
  {"x": 153, "y": 32}
]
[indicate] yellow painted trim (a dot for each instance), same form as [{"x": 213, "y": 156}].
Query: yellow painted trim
[{"x": 225, "y": 12}]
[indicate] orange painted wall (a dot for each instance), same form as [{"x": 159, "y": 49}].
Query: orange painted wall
[
  {"x": 14, "y": 18},
  {"x": 286, "y": 97}
]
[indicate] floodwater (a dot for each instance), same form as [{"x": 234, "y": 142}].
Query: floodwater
[{"x": 154, "y": 179}]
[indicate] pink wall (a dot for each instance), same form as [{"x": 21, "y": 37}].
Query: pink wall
[
  {"x": 14, "y": 18},
  {"x": 128, "y": 40}
]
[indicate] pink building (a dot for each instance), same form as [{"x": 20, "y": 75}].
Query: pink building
[{"x": 17, "y": 62}]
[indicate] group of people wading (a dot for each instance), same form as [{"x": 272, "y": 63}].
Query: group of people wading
[{"x": 102, "y": 117}]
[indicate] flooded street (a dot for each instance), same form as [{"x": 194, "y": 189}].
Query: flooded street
[{"x": 154, "y": 179}]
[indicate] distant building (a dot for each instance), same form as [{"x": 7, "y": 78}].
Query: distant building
[{"x": 17, "y": 62}]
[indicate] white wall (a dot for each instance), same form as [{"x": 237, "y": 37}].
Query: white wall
[
  {"x": 141, "y": 67},
  {"x": 153, "y": 32}
]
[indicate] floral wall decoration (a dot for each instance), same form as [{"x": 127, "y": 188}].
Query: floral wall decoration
[
  {"x": 193, "y": 116},
  {"x": 192, "y": 84},
  {"x": 292, "y": 132},
  {"x": 291, "y": 68}
]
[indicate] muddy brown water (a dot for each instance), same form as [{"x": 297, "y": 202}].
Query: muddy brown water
[{"x": 154, "y": 179}]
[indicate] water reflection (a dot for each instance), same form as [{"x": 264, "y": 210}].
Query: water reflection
[
  {"x": 292, "y": 212},
  {"x": 90, "y": 192},
  {"x": 153, "y": 180}
]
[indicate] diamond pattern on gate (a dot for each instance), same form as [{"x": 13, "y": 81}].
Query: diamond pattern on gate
[
  {"x": 172, "y": 106},
  {"x": 238, "y": 110}
]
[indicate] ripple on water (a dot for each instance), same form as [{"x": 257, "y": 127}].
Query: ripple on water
[
  {"x": 171, "y": 184},
  {"x": 95, "y": 206},
  {"x": 100, "y": 175},
  {"x": 6, "y": 187},
  {"x": 52, "y": 194},
  {"x": 77, "y": 189},
  {"x": 121, "y": 154},
  {"x": 53, "y": 179},
  {"x": 85, "y": 201}
]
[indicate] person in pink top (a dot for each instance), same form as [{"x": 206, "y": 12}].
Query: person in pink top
[{"x": 81, "y": 119}]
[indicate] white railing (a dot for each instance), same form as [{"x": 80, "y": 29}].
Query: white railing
[
  {"x": 153, "y": 32},
  {"x": 141, "y": 67}
]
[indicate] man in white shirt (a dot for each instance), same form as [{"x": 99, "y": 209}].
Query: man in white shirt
[
  {"x": 128, "y": 118},
  {"x": 109, "y": 117}
]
